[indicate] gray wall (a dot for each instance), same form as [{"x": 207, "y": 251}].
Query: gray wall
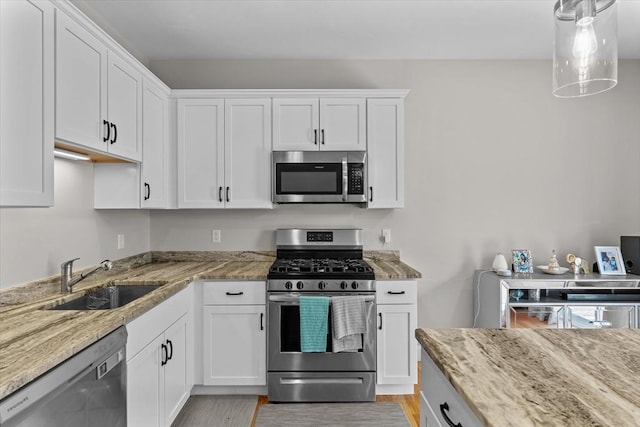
[
  {"x": 493, "y": 162},
  {"x": 35, "y": 241}
]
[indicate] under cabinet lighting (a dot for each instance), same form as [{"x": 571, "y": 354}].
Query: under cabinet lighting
[{"x": 70, "y": 155}]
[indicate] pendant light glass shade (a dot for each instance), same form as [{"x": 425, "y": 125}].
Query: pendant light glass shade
[{"x": 585, "y": 50}]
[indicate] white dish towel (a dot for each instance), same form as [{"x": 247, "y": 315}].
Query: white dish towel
[{"x": 348, "y": 323}]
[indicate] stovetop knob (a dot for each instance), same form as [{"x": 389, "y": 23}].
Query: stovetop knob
[
  {"x": 300, "y": 285},
  {"x": 343, "y": 285},
  {"x": 288, "y": 285},
  {"x": 354, "y": 285},
  {"x": 322, "y": 285}
]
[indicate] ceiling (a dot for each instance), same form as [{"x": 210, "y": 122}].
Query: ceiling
[{"x": 341, "y": 29}]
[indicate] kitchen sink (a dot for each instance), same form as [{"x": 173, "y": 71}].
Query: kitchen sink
[{"x": 108, "y": 297}]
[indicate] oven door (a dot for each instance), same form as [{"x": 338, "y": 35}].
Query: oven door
[{"x": 284, "y": 340}]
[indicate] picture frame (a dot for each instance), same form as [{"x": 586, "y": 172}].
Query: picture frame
[
  {"x": 609, "y": 259},
  {"x": 522, "y": 261}
]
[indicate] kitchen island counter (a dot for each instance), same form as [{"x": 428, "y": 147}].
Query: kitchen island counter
[
  {"x": 33, "y": 339},
  {"x": 534, "y": 377}
]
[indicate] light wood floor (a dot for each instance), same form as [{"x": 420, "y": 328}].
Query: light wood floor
[{"x": 410, "y": 403}]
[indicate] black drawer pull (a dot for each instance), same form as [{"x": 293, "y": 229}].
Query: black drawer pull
[
  {"x": 371, "y": 194},
  {"x": 147, "y": 191},
  {"x": 234, "y": 294},
  {"x": 322, "y": 131},
  {"x": 170, "y": 356},
  {"x": 443, "y": 410},
  {"x": 228, "y": 200},
  {"x": 380, "y": 315},
  {"x": 262, "y": 321},
  {"x": 315, "y": 137},
  {"x": 164, "y": 355},
  {"x": 395, "y": 292},
  {"x": 107, "y": 134}
]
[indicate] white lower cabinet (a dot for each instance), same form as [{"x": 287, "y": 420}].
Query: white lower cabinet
[
  {"x": 397, "y": 356},
  {"x": 440, "y": 404},
  {"x": 234, "y": 334},
  {"x": 159, "y": 362}
]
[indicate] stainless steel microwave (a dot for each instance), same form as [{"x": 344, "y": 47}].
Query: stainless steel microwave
[{"x": 319, "y": 177}]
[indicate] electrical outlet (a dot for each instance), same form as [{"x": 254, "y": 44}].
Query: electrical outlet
[
  {"x": 386, "y": 235},
  {"x": 216, "y": 236},
  {"x": 120, "y": 241}
]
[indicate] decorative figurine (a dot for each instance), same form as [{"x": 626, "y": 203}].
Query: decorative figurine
[
  {"x": 577, "y": 264},
  {"x": 553, "y": 262}
]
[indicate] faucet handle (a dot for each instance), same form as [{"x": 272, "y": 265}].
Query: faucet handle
[{"x": 69, "y": 263}]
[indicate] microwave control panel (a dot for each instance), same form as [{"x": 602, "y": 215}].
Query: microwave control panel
[{"x": 356, "y": 178}]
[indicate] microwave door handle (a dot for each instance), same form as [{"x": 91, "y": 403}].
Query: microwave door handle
[{"x": 345, "y": 181}]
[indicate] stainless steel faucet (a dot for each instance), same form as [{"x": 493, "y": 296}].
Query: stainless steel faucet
[{"x": 67, "y": 281}]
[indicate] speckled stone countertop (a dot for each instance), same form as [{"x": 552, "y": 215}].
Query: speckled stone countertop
[
  {"x": 34, "y": 340},
  {"x": 536, "y": 377}
]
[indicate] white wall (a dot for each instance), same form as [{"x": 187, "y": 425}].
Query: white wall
[
  {"x": 493, "y": 162},
  {"x": 34, "y": 242}
]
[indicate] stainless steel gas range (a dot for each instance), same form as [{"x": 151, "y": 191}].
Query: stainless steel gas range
[{"x": 319, "y": 262}]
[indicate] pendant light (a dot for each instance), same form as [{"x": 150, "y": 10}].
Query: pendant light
[{"x": 585, "y": 49}]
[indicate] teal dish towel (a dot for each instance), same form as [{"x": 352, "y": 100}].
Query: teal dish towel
[{"x": 314, "y": 320}]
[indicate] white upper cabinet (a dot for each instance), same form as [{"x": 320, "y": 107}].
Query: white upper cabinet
[
  {"x": 26, "y": 104},
  {"x": 98, "y": 95},
  {"x": 385, "y": 152},
  {"x": 200, "y": 153},
  {"x": 155, "y": 139},
  {"x": 124, "y": 110},
  {"x": 224, "y": 153},
  {"x": 247, "y": 153},
  {"x": 311, "y": 124}
]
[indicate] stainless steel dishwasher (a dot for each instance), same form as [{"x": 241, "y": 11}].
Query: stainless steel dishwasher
[{"x": 88, "y": 389}]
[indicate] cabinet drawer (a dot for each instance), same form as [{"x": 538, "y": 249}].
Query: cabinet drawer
[
  {"x": 396, "y": 292},
  {"x": 233, "y": 293},
  {"x": 448, "y": 406},
  {"x": 427, "y": 416}
]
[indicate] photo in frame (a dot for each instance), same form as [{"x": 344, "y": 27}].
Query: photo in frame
[
  {"x": 609, "y": 259},
  {"x": 522, "y": 261}
]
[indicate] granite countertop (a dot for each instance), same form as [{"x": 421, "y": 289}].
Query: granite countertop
[
  {"x": 534, "y": 377},
  {"x": 34, "y": 340}
]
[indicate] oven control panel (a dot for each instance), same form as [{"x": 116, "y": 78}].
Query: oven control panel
[
  {"x": 319, "y": 236},
  {"x": 332, "y": 285}
]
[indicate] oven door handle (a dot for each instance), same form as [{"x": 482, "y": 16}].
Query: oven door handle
[{"x": 296, "y": 298}]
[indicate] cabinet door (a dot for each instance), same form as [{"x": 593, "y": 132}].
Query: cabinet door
[
  {"x": 343, "y": 124},
  {"x": 81, "y": 85},
  {"x": 385, "y": 153},
  {"x": 154, "y": 180},
  {"x": 296, "y": 124},
  {"x": 124, "y": 109},
  {"x": 200, "y": 153},
  {"x": 247, "y": 153},
  {"x": 234, "y": 345},
  {"x": 176, "y": 384},
  {"x": 145, "y": 392},
  {"x": 600, "y": 316},
  {"x": 26, "y": 104},
  {"x": 397, "y": 356}
]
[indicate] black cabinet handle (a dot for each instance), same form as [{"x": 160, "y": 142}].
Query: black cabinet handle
[
  {"x": 220, "y": 194},
  {"x": 228, "y": 200},
  {"x": 395, "y": 292},
  {"x": 115, "y": 133},
  {"x": 443, "y": 410},
  {"x": 262, "y": 321},
  {"x": 105, "y": 138},
  {"x": 234, "y": 294},
  {"x": 371, "y": 194},
  {"x": 380, "y": 315},
  {"x": 170, "y": 350},
  {"x": 147, "y": 191},
  {"x": 315, "y": 137},
  {"x": 322, "y": 136},
  {"x": 164, "y": 354}
]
